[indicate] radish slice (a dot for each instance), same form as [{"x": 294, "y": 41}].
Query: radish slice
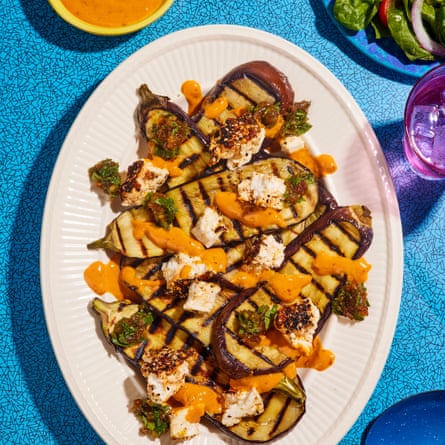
[{"x": 426, "y": 42}]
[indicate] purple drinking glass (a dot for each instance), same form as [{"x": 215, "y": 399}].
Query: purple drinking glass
[{"x": 424, "y": 122}]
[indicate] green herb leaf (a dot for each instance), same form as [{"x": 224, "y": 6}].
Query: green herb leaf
[
  {"x": 297, "y": 185},
  {"x": 296, "y": 121},
  {"x": 252, "y": 324},
  {"x": 153, "y": 416},
  {"x": 351, "y": 301},
  {"x": 131, "y": 331},
  {"x": 105, "y": 174},
  {"x": 163, "y": 209}
]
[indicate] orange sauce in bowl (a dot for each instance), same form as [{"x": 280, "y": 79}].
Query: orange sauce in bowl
[{"x": 112, "y": 13}]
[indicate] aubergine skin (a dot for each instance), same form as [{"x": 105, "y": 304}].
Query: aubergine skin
[
  {"x": 359, "y": 216},
  {"x": 283, "y": 410},
  {"x": 282, "y": 413},
  {"x": 233, "y": 367},
  {"x": 150, "y": 101},
  {"x": 265, "y": 74}
]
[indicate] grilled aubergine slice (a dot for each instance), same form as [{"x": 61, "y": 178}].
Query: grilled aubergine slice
[
  {"x": 344, "y": 231},
  {"x": 171, "y": 134},
  {"x": 283, "y": 406},
  {"x": 243, "y": 88},
  {"x": 193, "y": 198}
]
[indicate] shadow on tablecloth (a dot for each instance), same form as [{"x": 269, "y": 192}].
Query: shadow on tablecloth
[
  {"x": 416, "y": 196},
  {"x": 54, "y": 29},
  {"x": 42, "y": 377}
]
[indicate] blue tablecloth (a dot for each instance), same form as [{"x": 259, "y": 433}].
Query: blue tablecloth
[{"x": 49, "y": 69}]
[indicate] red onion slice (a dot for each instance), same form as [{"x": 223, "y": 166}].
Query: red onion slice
[{"x": 426, "y": 42}]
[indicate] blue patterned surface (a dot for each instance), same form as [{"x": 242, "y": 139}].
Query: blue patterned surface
[{"x": 48, "y": 71}]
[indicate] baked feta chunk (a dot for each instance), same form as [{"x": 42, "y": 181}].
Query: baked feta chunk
[
  {"x": 180, "y": 427},
  {"x": 182, "y": 267},
  {"x": 263, "y": 190},
  {"x": 240, "y": 404},
  {"x": 237, "y": 141},
  {"x": 209, "y": 227},
  {"x": 269, "y": 254},
  {"x": 297, "y": 323},
  {"x": 165, "y": 370},
  {"x": 291, "y": 144},
  {"x": 142, "y": 178},
  {"x": 201, "y": 296}
]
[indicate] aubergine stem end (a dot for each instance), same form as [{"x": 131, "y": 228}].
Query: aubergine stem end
[{"x": 291, "y": 388}]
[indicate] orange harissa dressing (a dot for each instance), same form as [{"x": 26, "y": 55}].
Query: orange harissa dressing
[
  {"x": 192, "y": 394},
  {"x": 320, "y": 166},
  {"x": 171, "y": 165},
  {"x": 214, "y": 109},
  {"x": 228, "y": 204},
  {"x": 356, "y": 270},
  {"x": 176, "y": 240},
  {"x": 286, "y": 287},
  {"x": 112, "y": 13},
  {"x": 105, "y": 277},
  {"x": 318, "y": 358},
  {"x": 192, "y": 93},
  {"x": 262, "y": 383},
  {"x": 128, "y": 275}
]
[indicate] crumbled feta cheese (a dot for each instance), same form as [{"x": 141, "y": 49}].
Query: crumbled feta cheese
[
  {"x": 161, "y": 386},
  {"x": 142, "y": 178},
  {"x": 201, "y": 296},
  {"x": 298, "y": 323},
  {"x": 209, "y": 227},
  {"x": 270, "y": 254},
  {"x": 291, "y": 144},
  {"x": 263, "y": 190},
  {"x": 181, "y": 267},
  {"x": 165, "y": 370},
  {"x": 241, "y": 404},
  {"x": 237, "y": 141},
  {"x": 180, "y": 427}
]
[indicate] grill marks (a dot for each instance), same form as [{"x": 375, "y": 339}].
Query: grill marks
[
  {"x": 279, "y": 414},
  {"x": 194, "y": 197},
  {"x": 258, "y": 354},
  {"x": 188, "y": 206},
  {"x": 337, "y": 231},
  {"x": 191, "y": 200},
  {"x": 163, "y": 332}
]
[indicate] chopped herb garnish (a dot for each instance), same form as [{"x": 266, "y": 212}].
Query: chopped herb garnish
[
  {"x": 296, "y": 121},
  {"x": 351, "y": 301},
  {"x": 105, "y": 175},
  {"x": 163, "y": 209},
  {"x": 296, "y": 186},
  {"x": 253, "y": 324},
  {"x": 131, "y": 331},
  {"x": 153, "y": 416},
  {"x": 166, "y": 135},
  {"x": 267, "y": 114},
  {"x": 268, "y": 314}
]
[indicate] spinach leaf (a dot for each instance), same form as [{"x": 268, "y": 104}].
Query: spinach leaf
[
  {"x": 429, "y": 14},
  {"x": 355, "y": 14},
  {"x": 440, "y": 24},
  {"x": 402, "y": 33}
]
